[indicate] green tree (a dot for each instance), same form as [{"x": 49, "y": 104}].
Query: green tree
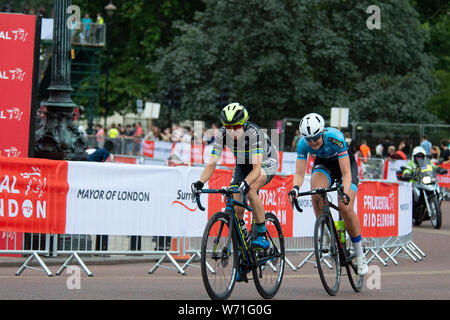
[
  {"x": 138, "y": 27},
  {"x": 287, "y": 58}
]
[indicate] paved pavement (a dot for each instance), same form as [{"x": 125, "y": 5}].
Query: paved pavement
[{"x": 127, "y": 278}]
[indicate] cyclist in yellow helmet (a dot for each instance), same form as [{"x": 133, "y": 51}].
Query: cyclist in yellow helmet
[{"x": 256, "y": 163}]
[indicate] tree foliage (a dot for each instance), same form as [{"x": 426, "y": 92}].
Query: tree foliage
[{"x": 287, "y": 58}]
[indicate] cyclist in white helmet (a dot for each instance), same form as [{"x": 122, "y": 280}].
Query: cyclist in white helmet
[{"x": 333, "y": 161}]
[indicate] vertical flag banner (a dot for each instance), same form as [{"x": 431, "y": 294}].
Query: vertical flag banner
[{"x": 19, "y": 63}]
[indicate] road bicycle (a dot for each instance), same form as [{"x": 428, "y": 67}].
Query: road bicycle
[
  {"x": 332, "y": 247},
  {"x": 225, "y": 250}
]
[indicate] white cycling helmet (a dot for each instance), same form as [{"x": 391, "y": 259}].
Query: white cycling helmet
[
  {"x": 417, "y": 150},
  {"x": 311, "y": 125}
]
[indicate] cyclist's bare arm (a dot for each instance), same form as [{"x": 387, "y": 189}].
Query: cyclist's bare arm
[
  {"x": 344, "y": 164},
  {"x": 209, "y": 169},
  {"x": 300, "y": 169}
]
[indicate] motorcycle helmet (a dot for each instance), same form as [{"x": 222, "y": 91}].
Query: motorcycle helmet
[{"x": 418, "y": 153}]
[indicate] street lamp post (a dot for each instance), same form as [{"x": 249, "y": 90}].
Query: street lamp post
[
  {"x": 110, "y": 9},
  {"x": 56, "y": 136}
]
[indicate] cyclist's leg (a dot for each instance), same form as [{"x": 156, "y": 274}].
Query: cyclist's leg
[
  {"x": 239, "y": 174},
  {"x": 351, "y": 220},
  {"x": 320, "y": 178},
  {"x": 268, "y": 170}
]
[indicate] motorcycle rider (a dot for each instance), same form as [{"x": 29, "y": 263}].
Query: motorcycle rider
[
  {"x": 408, "y": 174},
  {"x": 417, "y": 154}
]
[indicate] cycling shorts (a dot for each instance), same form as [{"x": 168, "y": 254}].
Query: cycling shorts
[
  {"x": 333, "y": 172},
  {"x": 241, "y": 171}
]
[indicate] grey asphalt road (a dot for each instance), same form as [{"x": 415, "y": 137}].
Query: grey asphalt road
[{"x": 425, "y": 280}]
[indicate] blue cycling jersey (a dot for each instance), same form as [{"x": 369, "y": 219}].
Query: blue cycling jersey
[{"x": 333, "y": 147}]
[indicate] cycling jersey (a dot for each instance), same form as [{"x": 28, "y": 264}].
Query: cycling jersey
[
  {"x": 253, "y": 142},
  {"x": 333, "y": 148}
]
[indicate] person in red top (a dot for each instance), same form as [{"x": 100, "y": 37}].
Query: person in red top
[
  {"x": 365, "y": 150},
  {"x": 399, "y": 155}
]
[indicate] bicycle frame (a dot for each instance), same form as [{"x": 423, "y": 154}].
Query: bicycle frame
[
  {"x": 326, "y": 210},
  {"x": 229, "y": 209}
]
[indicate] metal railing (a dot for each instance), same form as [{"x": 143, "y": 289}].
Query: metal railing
[{"x": 93, "y": 34}]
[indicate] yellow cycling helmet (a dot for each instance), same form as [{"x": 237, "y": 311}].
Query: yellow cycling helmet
[{"x": 234, "y": 114}]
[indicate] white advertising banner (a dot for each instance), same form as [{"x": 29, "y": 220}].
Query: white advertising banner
[
  {"x": 123, "y": 199},
  {"x": 392, "y": 167},
  {"x": 303, "y": 224},
  {"x": 404, "y": 208}
]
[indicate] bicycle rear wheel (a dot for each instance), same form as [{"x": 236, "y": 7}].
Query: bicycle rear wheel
[
  {"x": 218, "y": 260},
  {"x": 269, "y": 264},
  {"x": 327, "y": 254}
]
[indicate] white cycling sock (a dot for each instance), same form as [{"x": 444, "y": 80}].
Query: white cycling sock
[{"x": 356, "y": 242}]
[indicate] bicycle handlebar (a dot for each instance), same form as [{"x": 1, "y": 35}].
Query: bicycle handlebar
[
  {"x": 339, "y": 188},
  {"x": 225, "y": 191}
]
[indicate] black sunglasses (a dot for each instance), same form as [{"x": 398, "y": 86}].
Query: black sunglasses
[{"x": 315, "y": 138}]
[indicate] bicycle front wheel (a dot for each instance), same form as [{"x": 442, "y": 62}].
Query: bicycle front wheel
[
  {"x": 356, "y": 281},
  {"x": 219, "y": 259},
  {"x": 327, "y": 254},
  {"x": 269, "y": 264}
]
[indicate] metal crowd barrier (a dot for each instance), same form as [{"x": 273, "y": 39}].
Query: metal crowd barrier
[
  {"x": 391, "y": 247},
  {"x": 34, "y": 246}
]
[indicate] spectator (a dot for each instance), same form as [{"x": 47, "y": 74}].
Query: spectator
[
  {"x": 138, "y": 136},
  {"x": 365, "y": 150},
  {"x": 187, "y": 136},
  {"x": 166, "y": 135},
  {"x": 445, "y": 151},
  {"x": 82, "y": 131},
  {"x": 210, "y": 135},
  {"x": 99, "y": 28},
  {"x": 177, "y": 133},
  {"x": 102, "y": 154},
  {"x": 386, "y": 144},
  {"x": 86, "y": 24},
  {"x": 348, "y": 139},
  {"x": 407, "y": 148},
  {"x": 113, "y": 132},
  {"x": 100, "y": 135},
  {"x": 128, "y": 135},
  {"x": 153, "y": 133},
  {"x": 402, "y": 147},
  {"x": 121, "y": 130},
  {"x": 435, "y": 154},
  {"x": 379, "y": 149},
  {"x": 395, "y": 155},
  {"x": 295, "y": 141},
  {"x": 426, "y": 145}
]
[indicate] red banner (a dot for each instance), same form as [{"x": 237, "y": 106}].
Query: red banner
[
  {"x": 33, "y": 196},
  {"x": 17, "y": 52},
  {"x": 148, "y": 149},
  {"x": 444, "y": 179},
  {"x": 378, "y": 209},
  {"x": 273, "y": 196}
]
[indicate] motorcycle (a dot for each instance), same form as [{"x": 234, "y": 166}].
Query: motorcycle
[{"x": 427, "y": 195}]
